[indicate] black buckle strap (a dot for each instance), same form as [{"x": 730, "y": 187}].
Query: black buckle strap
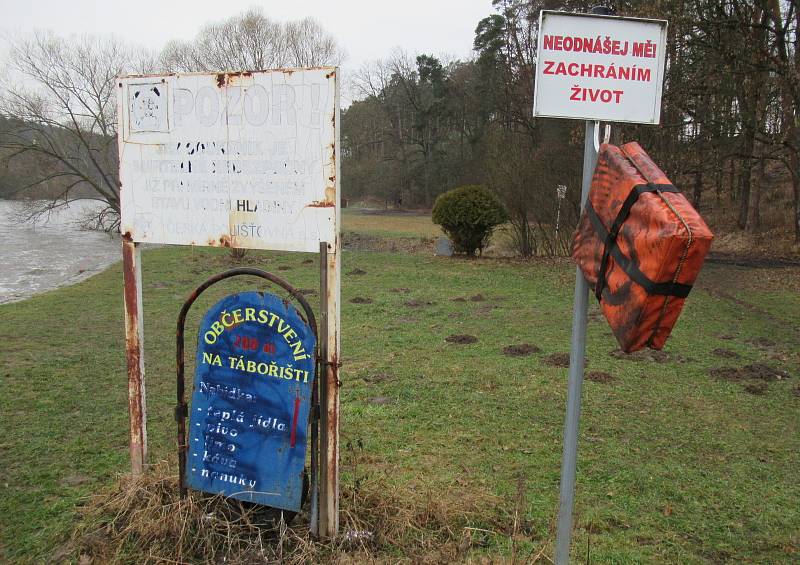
[{"x": 610, "y": 246}]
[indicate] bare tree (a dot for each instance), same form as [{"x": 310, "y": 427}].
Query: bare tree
[
  {"x": 251, "y": 41},
  {"x": 59, "y": 107}
]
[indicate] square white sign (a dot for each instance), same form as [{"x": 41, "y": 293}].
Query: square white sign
[
  {"x": 593, "y": 67},
  {"x": 231, "y": 159}
]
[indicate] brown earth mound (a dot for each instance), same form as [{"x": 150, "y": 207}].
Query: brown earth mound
[
  {"x": 557, "y": 360},
  {"x": 520, "y": 350},
  {"x": 642, "y": 355},
  {"x": 753, "y": 372},
  {"x": 413, "y": 303},
  {"x": 599, "y": 377},
  {"x": 361, "y": 300},
  {"x": 461, "y": 339},
  {"x": 725, "y": 353}
]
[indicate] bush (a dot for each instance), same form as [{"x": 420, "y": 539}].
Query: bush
[{"x": 468, "y": 215}]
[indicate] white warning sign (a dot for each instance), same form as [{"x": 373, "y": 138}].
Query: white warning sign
[
  {"x": 231, "y": 159},
  {"x": 599, "y": 67}
]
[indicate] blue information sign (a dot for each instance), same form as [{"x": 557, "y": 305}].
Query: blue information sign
[{"x": 251, "y": 401}]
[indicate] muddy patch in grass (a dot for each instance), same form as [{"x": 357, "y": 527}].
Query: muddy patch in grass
[
  {"x": 599, "y": 377},
  {"x": 400, "y": 290},
  {"x": 414, "y": 303},
  {"x": 307, "y": 261},
  {"x": 752, "y": 372},
  {"x": 284, "y": 268},
  {"x": 646, "y": 355},
  {"x": 725, "y": 353},
  {"x": 473, "y": 298},
  {"x": 557, "y": 360},
  {"x": 356, "y": 272},
  {"x": 521, "y": 350},
  {"x": 360, "y": 300},
  {"x": 461, "y": 339}
]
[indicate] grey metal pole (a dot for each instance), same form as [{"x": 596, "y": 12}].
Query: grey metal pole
[{"x": 576, "y": 365}]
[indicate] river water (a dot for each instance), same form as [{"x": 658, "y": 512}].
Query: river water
[{"x": 50, "y": 253}]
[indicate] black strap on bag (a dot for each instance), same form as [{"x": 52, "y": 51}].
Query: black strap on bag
[{"x": 610, "y": 247}]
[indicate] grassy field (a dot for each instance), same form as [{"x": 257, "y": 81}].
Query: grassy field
[{"x": 679, "y": 462}]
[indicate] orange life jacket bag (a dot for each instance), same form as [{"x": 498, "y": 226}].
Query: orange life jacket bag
[{"x": 640, "y": 244}]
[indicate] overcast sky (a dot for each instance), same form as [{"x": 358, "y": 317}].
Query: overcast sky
[{"x": 367, "y": 30}]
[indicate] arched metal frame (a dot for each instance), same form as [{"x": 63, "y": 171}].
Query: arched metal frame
[{"x": 181, "y": 409}]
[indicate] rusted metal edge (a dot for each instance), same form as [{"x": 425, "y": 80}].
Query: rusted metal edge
[
  {"x": 286, "y": 70},
  {"x": 181, "y": 409}
]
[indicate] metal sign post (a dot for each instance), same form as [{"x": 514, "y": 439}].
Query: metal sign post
[
  {"x": 593, "y": 67},
  {"x": 134, "y": 353},
  {"x": 577, "y": 352},
  {"x": 328, "y": 518}
]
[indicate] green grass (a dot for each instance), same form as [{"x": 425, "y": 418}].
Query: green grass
[{"x": 674, "y": 466}]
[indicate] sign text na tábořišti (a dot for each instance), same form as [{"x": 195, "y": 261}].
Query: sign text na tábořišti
[
  {"x": 251, "y": 401},
  {"x": 599, "y": 68}
]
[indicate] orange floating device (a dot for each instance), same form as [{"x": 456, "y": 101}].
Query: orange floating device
[{"x": 640, "y": 245}]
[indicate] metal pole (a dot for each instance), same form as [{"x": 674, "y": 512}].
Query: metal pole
[
  {"x": 576, "y": 366},
  {"x": 330, "y": 383},
  {"x": 319, "y": 436},
  {"x": 328, "y": 504},
  {"x": 134, "y": 352}
]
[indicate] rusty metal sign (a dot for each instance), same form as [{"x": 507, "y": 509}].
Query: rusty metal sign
[
  {"x": 250, "y": 408},
  {"x": 230, "y": 159}
]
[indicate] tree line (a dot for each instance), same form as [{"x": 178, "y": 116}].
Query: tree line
[
  {"x": 421, "y": 124},
  {"x": 729, "y": 134}
]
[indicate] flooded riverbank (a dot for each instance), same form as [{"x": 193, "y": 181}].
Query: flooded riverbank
[{"x": 53, "y": 252}]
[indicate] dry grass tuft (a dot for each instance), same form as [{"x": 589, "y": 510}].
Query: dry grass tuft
[{"x": 143, "y": 520}]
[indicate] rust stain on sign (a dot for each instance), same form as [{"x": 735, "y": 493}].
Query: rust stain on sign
[
  {"x": 227, "y": 79},
  {"x": 321, "y": 204},
  {"x": 330, "y": 199}
]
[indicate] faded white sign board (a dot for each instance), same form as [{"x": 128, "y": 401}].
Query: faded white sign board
[
  {"x": 230, "y": 159},
  {"x": 594, "y": 67}
]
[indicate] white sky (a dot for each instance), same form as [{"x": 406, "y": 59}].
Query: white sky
[{"x": 367, "y": 30}]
